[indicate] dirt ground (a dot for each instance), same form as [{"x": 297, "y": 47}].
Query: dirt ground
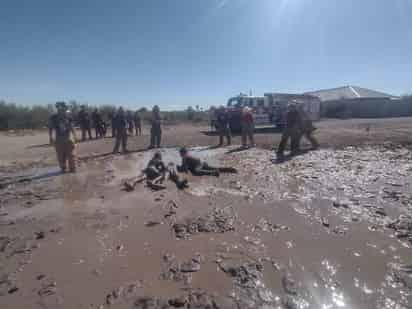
[{"x": 330, "y": 228}]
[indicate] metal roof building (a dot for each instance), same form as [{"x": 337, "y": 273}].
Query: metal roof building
[
  {"x": 349, "y": 93},
  {"x": 357, "y": 102}
]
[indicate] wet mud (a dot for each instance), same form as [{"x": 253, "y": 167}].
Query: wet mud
[
  {"x": 217, "y": 221},
  {"x": 327, "y": 229}
]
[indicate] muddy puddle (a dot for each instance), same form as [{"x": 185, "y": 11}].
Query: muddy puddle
[{"x": 327, "y": 229}]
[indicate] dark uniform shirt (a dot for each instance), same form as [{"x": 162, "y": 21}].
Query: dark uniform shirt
[
  {"x": 61, "y": 124},
  {"x": 190, "y": 163},
  {"x": 120, "y": 122},
  {"x": 158, "y": 164},
  {"x": 306, "y": 123},
  {"x": 156, "y": 122},
  {"x": 293, "y": 119},
  {"x": 84, "y": 119},
  {"x": 130, "y": 120},
  {"x": 222, "y": 119},
  {"x": 97, "y": 119},
  {"x": 154, "y": 169}
]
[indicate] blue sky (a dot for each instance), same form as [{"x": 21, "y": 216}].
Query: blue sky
[{"x": 177, "y": 53}]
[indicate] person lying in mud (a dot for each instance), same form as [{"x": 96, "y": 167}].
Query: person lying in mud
[
  {"x": 199, "y": 168},
  {"x": 156, "y": 173}
]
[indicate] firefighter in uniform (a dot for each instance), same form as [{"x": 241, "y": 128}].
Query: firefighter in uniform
[
  {"x": 248, "y": 127},
  {"x": 307, "y": 129},
  {"x": 292, "y": 131},
  {"x": 98, "y": 123},
  {"x": 137, "y": 123},
  {"x": 156, "y": 129},
  {"x": 65, "y": 137},
  {"x": 112, "y": 118},
  {"x": 120, "y": 125},
  {"x": 130, "y": 122},
  {"x": 222, "y": 121},
  {"x": 84, "y": 122}
]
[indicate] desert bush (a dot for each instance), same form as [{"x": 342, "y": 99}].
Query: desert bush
[{"x": 14, "y": 116}]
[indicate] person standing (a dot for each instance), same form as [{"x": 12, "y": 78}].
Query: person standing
[
  {"x": 156, "y": 129},
  {"x": 212, "y": 118},
  {"x": 112, "y": 117},
  {"x": 130, "y": 122},
  {"x": 307, "y": 129},
  {"x": 137, "y": 123},
  {"x": 248, "y": 127},
  {"x": 292, "y": 131},
  {"x": 223, "y": 126},
  {"x": 64, "y": 137},
  {"x": 120, "y": 124},
  {"x": 103, "y": 128},
  {"x": 97, "y": 123},
  {"x": 112, "y": 125},
  {"x": 84, "y": 122}
]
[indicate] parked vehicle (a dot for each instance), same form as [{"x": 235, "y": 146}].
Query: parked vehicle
[{"x": 270, "y": 110}]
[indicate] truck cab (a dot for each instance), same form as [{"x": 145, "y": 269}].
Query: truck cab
[{"x": 261, "y": 111}]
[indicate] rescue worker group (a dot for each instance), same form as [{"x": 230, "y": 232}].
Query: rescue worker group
[{"x": 297, "y": 125}]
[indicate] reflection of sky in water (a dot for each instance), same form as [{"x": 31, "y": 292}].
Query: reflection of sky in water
[
  {"x": 329, "y": 267},
  {"x": 335, "y": 298}
]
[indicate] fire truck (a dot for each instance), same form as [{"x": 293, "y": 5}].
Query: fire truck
[{"x": 270, "y": 110}]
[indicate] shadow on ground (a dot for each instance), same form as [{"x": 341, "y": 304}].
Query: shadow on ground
[
  {"x": 108, "y": 154},
  {"x": 78, "y": 142},
  {"x": 237, "y": 149},
  {"x": 30, "y": 178},
  {"x": 265, "y": 130},
  {"x": 39, "y": 146},
  {"x": 289, "y": 156}
]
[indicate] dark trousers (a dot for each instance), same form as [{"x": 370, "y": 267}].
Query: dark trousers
[
  {"x": 98, "y": 131},
  {"x": 121, "y": 138},
  {"x": 155, "y": 138},
  {"x": 65, "y": 150},
  {"x": 309, "y": 136},
  {"x": 224, "y": 131},
  {"x": 113, "y": 129},
  {"x": 293, "y": 135},
  {"x": 205, "y": 170},
  {"x": 86, "y": 129}
]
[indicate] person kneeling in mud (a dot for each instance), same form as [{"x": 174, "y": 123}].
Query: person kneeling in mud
[
  {"x": 199, "y": 168},
  {"x": 156, "y": 173}
]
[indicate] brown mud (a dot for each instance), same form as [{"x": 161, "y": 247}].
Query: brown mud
[{"x": 328, "y": 229}]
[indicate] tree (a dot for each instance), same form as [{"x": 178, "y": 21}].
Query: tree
[
  {"x": 190, "y": 113},
  {"x": 106, "y": 110},
  {"x": 13, "y": 116}
]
